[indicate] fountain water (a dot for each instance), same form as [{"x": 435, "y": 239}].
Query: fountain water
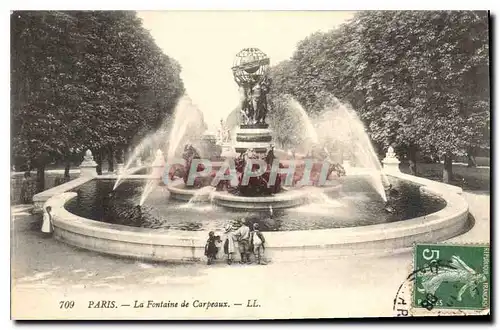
[
  {"x": 342, "y": 128},
  {"x": 151, "y": 141},
  {"x": 309, "y": 130},
  {"x": 187, "y": 126},
  {"x": 157, "y": 167},
  {"x": 201, "y": 195},
  {"x": 198, "y": 200},
  {"x": 335, "y": 130},
  {"x": 317, "y": 197},
  {"x": 148, "y": 189}
]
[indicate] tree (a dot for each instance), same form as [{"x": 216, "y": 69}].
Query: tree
[
  {"x": 407, "y": 73},
  {"x": 41, "y": 56},
  {"x": 85, "y": 80},
  {"x": 438, "y": 80}
]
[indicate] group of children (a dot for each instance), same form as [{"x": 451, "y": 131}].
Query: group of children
[{"x": 237, "y": 237}]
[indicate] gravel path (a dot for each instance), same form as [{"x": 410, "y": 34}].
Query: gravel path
[{"x": 45, "y": 271}]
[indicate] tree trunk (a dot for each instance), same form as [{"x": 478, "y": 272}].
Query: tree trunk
[
  {"x": 67, "y": 166},
  {"x": 447, "y": 169},
  {"x": 412, "y": 157},
  {"x": 98, "y": 160},
  {"x": 119, "y": 155},
  {"x": 471, "y": 158},
  {"x": 111, "y": 160},
  {"x": 40, "y": 178}
]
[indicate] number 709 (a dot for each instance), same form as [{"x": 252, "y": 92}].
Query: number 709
[{"x": 66, "y": 304}]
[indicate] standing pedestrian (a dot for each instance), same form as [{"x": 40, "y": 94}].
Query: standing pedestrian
[
  {"x": 211, "y": 249},
  {"x": 47, "y": 226},
  {"x": 229, "y": 243},
  {"x": 243, "y": 236},
  {"x": 257, "y": 241}
]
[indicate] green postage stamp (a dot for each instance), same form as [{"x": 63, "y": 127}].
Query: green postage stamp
[{"x": 451, "y": 277}]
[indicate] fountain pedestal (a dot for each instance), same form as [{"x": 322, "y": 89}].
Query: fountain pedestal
[
  {"x": 227, "y": 150},
  {"x": 391, "y": 162},
  {"x": 88, "y": 167},
  {"x": 257, "y": 137}
]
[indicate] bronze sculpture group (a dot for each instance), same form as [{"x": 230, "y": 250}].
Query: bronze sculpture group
[{"x": 254, "y": 104}]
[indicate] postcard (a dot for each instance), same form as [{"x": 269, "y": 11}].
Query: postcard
[{"x": 249, "y": 165}]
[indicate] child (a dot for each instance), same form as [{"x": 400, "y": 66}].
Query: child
[
  {"x": 243, "y": 237},
  {"x": 229, "y": 244},
  {"x": 257, "y": 242},
  {"x": 211, "y": 249}
]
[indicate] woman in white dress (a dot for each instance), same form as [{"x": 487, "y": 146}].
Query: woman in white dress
[
  {"x": 47, "y": 221},
  {"x": 229, "y": 243}
]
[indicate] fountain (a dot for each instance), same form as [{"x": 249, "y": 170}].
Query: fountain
[
  {"x": 310, "y": 206},
  {"x": 259, "y": 178}
]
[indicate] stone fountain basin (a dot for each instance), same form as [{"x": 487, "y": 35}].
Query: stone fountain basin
[
  {"x": 188, "y": 246},
  {"x": 282, "y": 200},
  {"x": 179, "y": 192},
  {"x": 286, "y": 199}
]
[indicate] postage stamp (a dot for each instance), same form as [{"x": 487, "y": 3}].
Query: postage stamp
[{"x": 451, "y": 277}]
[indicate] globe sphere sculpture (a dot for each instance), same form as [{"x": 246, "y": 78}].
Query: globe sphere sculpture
[{"x": 250, "y": 66}]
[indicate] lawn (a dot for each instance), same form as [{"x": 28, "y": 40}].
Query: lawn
[{"x": 468, "y": 178}]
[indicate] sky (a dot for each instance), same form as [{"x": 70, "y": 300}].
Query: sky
[{"x": 205, "y": 44}]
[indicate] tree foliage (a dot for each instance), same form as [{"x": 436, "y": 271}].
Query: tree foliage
[
  {"x": 418, "y": 79},
  {"x": 85, "y": 79}
]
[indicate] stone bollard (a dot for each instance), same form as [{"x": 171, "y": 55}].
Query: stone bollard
[
  {"x": 391, "y": 162},
  {"x": 119, "y": 168},
  {"x": 158, "y": 164},
  {"x": 88, "y": 167}
]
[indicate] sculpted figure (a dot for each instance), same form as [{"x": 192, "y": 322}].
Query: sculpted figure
[
  {"x": 390, "y": 153},
  {"x": 223, "y": 133},
  {"x": 247, "y": 107},
  {"x": 256, "y": 102},
  {"x": 264, "y": 87}
]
